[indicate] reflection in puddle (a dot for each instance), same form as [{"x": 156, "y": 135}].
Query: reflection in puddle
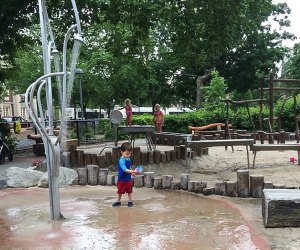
[{"x": 176, "y": 221}]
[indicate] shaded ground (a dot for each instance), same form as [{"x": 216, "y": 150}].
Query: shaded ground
[{"x": 159, "y": 220}]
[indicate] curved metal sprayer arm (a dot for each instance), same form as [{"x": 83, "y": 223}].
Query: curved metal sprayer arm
[
  {"x": 76, "y": 16},
  {"x": 40, "y": 106}
]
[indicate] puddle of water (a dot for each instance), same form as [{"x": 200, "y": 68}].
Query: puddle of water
[{"x": 168, "y": 221}]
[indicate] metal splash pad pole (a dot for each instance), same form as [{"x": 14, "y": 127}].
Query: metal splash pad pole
[{"x": 64, "y": 77}]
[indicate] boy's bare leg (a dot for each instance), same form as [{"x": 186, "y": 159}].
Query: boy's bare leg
[
  {"x": 119, "y": 197},
  {"x": 130, "y": 197}
]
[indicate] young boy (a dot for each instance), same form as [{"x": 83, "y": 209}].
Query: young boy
[{"x": 124, "y": 175}]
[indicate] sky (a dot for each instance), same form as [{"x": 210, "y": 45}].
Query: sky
[{"x": 294, "y": 17}]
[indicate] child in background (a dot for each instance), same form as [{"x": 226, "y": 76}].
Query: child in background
[
  {"x": 128, "y": 110},
  {"x": 124, "y": 175},
  {"x": 158, "y": 118}
]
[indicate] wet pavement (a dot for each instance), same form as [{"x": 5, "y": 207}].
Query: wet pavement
[{"x": 158, "y": 220}]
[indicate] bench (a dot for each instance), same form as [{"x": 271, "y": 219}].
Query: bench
[
  {"x": 220, "y": 143},
  {"x": 274, "y": 147}
]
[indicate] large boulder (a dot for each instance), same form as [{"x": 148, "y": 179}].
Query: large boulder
[
  {"x": 67, "y": 177},
  {"x": 22, "y": 177}
]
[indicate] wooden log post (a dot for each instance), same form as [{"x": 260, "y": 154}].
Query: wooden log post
[
  {"x": 87, "y": 159},
  {"x": 199, "y": 186},
  {"x": 101, "y": 161},
  {"x": 268, "y": 185},
  {"x": 183, "y": 153},
  {"x": 80, "y": 158},
  {"x": 139, "y": 181},
  {"x": 175, "y": 185},
  {"x": 110, "y": 181},
  {"x": 281, "y": 208},
  {"x": 144, "y": 158},
  {"x": 156, "y": 156},
  {"x": 205, "y": 151},
  {"x": 115, "y": 155},
  {"x": 136, "y": 156},
  {"x": 149, "y": 179},
  {"x": 150, "y": 157},
  {"x": 168, "y": 156},
  {"x": 256, "y": 185},
  {"x": 243, "y": 183},
  {"x": 208, "y": 191},
  {"x": 167, "y": 181},
  {"x": 191, "y": 186},
  {"x": 74, "y": 163},
  {"x": 92, "y": 174},
  {"x": 102, "y": 176},
  {"x": 231, "y": 188},
  {"x": 158, "y": 182},
  {"x": 173, "y": 155},
  {"x": 200, "y": 151},
  {"x": 178, "y": 152},
  {"x": 220, "y": 188},
  {"x": 184, "y": 180},
  {"x": 82, "y": 176},
  {"x": 163, "y": 158},
  {"x": 94, "y": 159},
  {"x": 108, "y": 159}
]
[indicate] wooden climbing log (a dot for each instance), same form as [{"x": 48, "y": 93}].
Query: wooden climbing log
[
  {"x": 243, "y": 183},
  {"x": 87, "y": 159},
  {"x": 94, "y": 159},
  {"x": 82, "y": 176},
  {"x": 136, "y": 156},
  {"x": 191, "y": 186},
  {"x": 199, "y": 186},
  {"x": 178, "y": 152},
  {"x": 183, "y": 152},
  {"x": 92, "y": 174},
  {"x": 167, "y": 181},
  {"x": 115, "y": 155},
  {"x": 149, "y": 179},
  {"x": 156, "y": 156},
  {"x": 173, "y": 155},
  {"x": 184, "y": 180},
  {"x": 139, "y": 181},
  {"x": 80, "y": 158},
  {"x": 144, "y": 158},
  {"x": 256, "y": 185},
  {"x": 163, "y": 158},
  {"x": 208, "y": 191},
  {"x": 74, "y": 163},
  {"x": 102, "y": 176},
  {"x": 220, "y": 188},
  {"x": 281, "y": 208},
  {"x": 168, "y": 156},
  {"x": 101, "y": 161},
  {"x": 150, "y": 157},
  {"x": 175, "y": 185},
  {"x": 268, "y": 185},
  {"x": 231, "y": 188},
  {"x": 108, "y": 159},
  {"x": 158, "y": 182}
]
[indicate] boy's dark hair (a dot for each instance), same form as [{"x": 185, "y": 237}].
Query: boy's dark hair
[{"x": 126, "y": 146}]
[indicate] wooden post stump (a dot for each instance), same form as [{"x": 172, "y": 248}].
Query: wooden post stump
[
  {"x": 87, "y": 159},
  {"x": 243, "y": 183},
  {"x": 191, "y": 186},
  {"x": 166, "y": 181},
  {"x": 136, "y": 156},
  {"x": 173, "y": 155},
  {"x": 73, "y": 155},
  {"x": 168, "y": 156},
  {"x": 205, "y": 151},
  {"x": 92, "y": 174},
  {"x": 80, "y": 158},
  {"x": 256, "y": 185},
  {"x": 102, "y": 176},
  {"x": 175, "y": 185},
  {"x": 178, "y": 152},
  {"x": 208, "y": 191},
  {"x": 144, "y": 157},
  {"x": 163, "y": 157},
  {"x": 199, "y": 186},
  {"x": 156, "y": 156},
  {"x": 139, "y": 181},
  {"x": 82, "y": 176},
  {"x": 115, "y": 155},
  {"x": 268, "y": 185},
  {"x": 108, "y": 159},
  {"x": 94, "y": 159},
  {"x": 158, "y": 182},
  {"x": 101, "y": 161},
  {"x": 220, "y": 188},
  {"x": 183, "y": 153},
  {"x": 200, "y": 151},
  {"x": 281, "y": 208},
  {"x": 110, "y": 181},
  {"x": 184, "y": 180},
  {"x": 231, "y": 188},
  {"x": 149, "y": 179},
  {"x": 150, "y": 157}
]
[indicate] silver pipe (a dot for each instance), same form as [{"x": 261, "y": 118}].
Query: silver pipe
[{"x": 76, "y": 16}]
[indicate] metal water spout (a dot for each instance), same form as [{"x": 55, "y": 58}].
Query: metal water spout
[{"x": 64, "y": 82}]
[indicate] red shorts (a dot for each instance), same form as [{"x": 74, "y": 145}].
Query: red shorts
[{"x": 124, "y": 186}]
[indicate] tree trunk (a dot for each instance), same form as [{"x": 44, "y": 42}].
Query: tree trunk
[{"x": 201, "y": 80}]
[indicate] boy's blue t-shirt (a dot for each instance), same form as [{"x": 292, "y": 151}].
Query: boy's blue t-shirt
[{"x": 123, "y": 165}]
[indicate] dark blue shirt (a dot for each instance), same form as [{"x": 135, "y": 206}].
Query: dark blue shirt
[{"x": 123, "y": 165}]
